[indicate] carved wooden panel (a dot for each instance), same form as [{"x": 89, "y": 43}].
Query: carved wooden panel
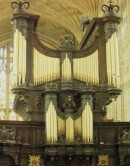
[{"x": 6, "y": 160}]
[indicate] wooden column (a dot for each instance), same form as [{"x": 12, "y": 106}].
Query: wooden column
[
  {"x": 29, "y": 58},
  {"x": 102, "y": 56}
]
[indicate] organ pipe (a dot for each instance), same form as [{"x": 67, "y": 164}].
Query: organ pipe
[
  {"x": 87, "y": 124},
  {"x": 86, "y": 69},
  {"x": 78, "y": 127},
  {"x": 51, "y": 123},
  {"x": 66, "y": 69},
  {"x": 113, "y": 61},
  {"x": 114, "y": 110},
  {"x": 113, "y": 73},
  {"x": 46, "y": 68},
  {"x": 61, "y": 125},
  {"x": 69, "y": 129},
  {"x": 19, "y": 65}
]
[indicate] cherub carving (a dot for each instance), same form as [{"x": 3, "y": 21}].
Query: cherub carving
[{"x": 69, "y": 102}]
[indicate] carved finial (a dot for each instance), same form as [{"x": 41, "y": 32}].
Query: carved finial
[
  {"x": 84, "y": 21},
  {"x": 20, "y": 7},
  {"x": 110, "y": 9},
  {"x": 67, "y": 43}
]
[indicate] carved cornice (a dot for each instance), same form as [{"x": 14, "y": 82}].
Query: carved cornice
[
  {"x": 87, "y": 51},
  {"x": 110, "y": 25},
  {"x": 90, "y": 40},
  {"x": 43, "y": 49},
  {"x": 25, "y": 21},
  {"x": 56, "y": 53},
  {"x": 62, "y": 138},
  {"x": 104, "y": 96}
]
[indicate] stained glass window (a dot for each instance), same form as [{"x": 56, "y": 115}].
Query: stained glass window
[
  {"x": 3, "y": 56},
  {"x": 6, "y": 83}
]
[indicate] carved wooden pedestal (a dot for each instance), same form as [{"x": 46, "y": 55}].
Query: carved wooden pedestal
[{"x": 68, "y": 154}]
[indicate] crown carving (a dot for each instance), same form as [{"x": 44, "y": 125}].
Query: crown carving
[
  {"x": 20, "y": 7},
  {"x": 110, "y": 9}
]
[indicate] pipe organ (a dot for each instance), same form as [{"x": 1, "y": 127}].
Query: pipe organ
[
  {"x": 19, "y": 65},
  {"x": 66, "y": 69},
  {"x": 86, "y": 69},
  {"x": 69, "y": 129},
  {"x": 45, "y": 69},
  {"x": 70, "y": 88},
  {"x": 51, "y": 123},
  {"x": 87, "y": 124},
  {"x": 113, "y": 72}
]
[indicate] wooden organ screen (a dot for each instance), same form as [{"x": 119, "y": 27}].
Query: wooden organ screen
[
  {"x": 46, "y": 68},
  {"x": 36, "y": 64}
]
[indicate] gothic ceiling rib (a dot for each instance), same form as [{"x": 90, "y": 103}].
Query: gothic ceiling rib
[{"x": 57, "y": 18}]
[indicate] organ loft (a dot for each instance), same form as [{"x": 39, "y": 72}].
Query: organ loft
[{"x": 64, "y": 95}]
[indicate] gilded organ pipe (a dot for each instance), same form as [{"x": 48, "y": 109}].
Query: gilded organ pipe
[
  {"x": 113, "y": 61},
  {"x": 117, "y": 60},
  {"x": 15, "y": 59},
  {"x": 108, "y": 47},
  {"x": 66, "y": 69},
  {"x": 69, "y": 129},
  {"x": 87, "y": 124},
  {"x": 78, "y": 127},
  {"x": 19, "y": 65},
  {"x": 61, "y": 125},
  {"x": 20, "y": 57},
  {"x": 51, "y": 123},
  {"x": 24, "y": 59},
  {"x": 86, "y": 69},
  {"x": 46, "y": 68}
]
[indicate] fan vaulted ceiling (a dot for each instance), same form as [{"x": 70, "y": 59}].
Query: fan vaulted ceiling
[{"x": 57, "y": 18}]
